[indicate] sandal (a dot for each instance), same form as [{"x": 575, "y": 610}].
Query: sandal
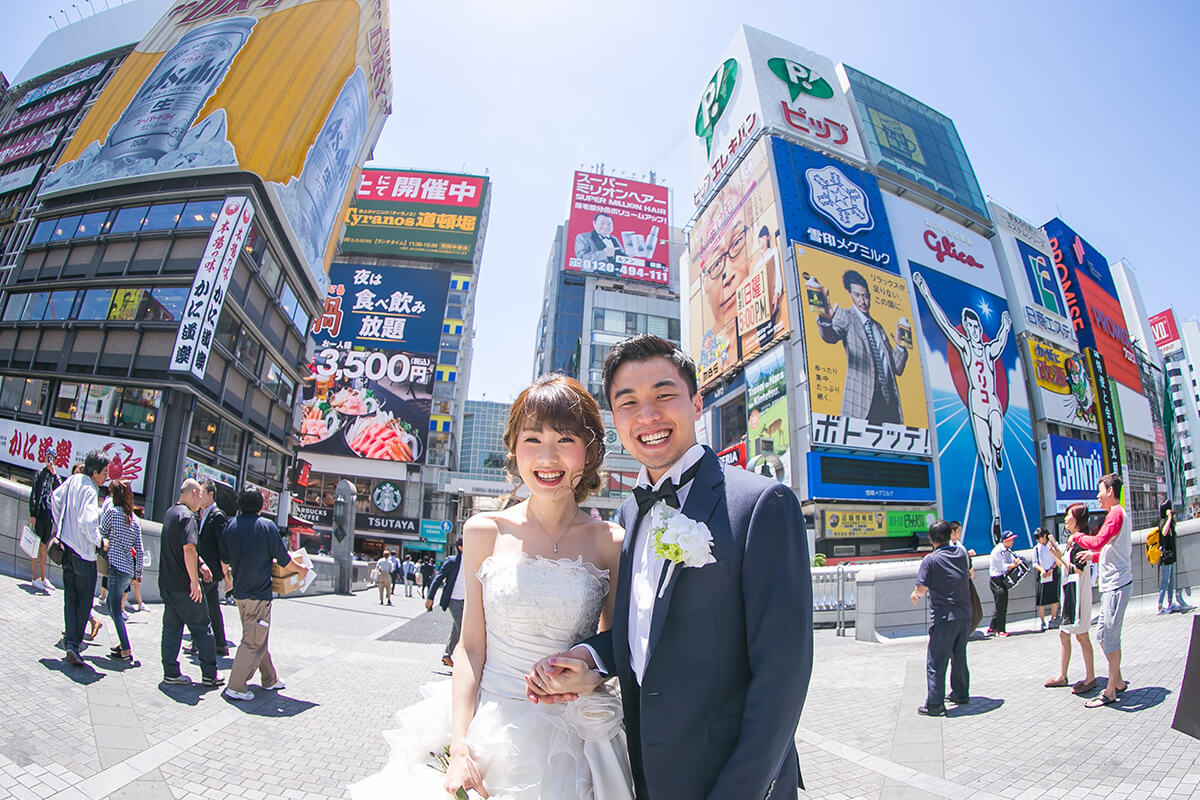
[
  {"x": 1083, "y": 687},
  {"x": 1056, "y": 683},
  {"x": 90, "y": 636},
  {"x": 1099, "y": 700}
]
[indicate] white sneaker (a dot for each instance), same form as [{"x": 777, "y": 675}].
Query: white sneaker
[
  {"x": 141, "y": 606},
  {"x": 45, "y": 586},
  {"x": 277, "y": 686},
  {"x": 232, "y": 695}
]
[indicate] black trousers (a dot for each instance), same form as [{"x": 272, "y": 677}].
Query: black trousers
[
  {"x": 212, "y": 599},
  {"x": 180, "y": 611},
  {"x": 947, "y": 646},
  {"x": 79, "y": 587},
  {"x": 1000, "y": 595}
]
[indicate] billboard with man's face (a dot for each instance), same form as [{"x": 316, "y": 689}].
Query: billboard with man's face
[
  {"x": 618, "y": 228},
  {"x": 295, "y": 91},
  {"x": 737, "y": 295}
]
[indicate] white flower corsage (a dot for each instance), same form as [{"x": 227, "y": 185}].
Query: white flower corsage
[{"x": 679, "y": 540}]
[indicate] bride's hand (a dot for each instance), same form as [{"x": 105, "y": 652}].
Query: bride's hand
[
  {"x": 463, "y": 773},
  {"x": 560, "y": 678}
]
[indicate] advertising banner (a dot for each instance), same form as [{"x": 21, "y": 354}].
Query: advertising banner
[
  {"x": 922, "y": 236},
  {"x": 1063, "y": 384},
  {"x": 436, "y": 530},
  {"x": 1092, "y": 302},
  {"x": 850, "y": 477},
  {"x": 26, "y": 445},
  {"x": 80, "y": 75},
  {"x": 832, "y": 206},
  {"x": 376, "y": 343},
  {"x": 1108, "y": 416},
  {"x": 19, "y": 179},
  {"x": 767, "y": 428},
  {"x": 1165, "y": 332},
  {"x": 196, "y": 471},
  {"x": 1075, "y": 470},
  {"x": 44, "y": 111},
  {"x": 36, "y": 143},
  {"x": 198, "y": 322},
  {"x": 864, "y": 371},
  {"x": 313, "y": 515},
  {"x": 415, "y": 215},
  {"x": 988, "y": 473},
  {"x": 618, "y": 228},
  {"x": 293, "y": 91},
  {"x": 738, "y": 297},
  {"x": 763, "y": 80},
  {"x": 862, "y": 523}
]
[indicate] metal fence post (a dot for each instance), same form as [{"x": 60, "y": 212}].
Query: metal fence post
[{"x": 841, "y": 599}]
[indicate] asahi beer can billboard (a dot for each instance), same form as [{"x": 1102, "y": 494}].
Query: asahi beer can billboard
[{"x": 295, "y": 91}]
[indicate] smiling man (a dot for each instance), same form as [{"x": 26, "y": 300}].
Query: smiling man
[{"x": 713, "y": 660}]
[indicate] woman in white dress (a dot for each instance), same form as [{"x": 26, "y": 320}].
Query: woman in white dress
[
  {"x": 1075, "y": 601},
  {"x": 538, "y": 582}
]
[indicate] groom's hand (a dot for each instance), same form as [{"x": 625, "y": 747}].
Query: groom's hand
[{"x": 562, "y": 677}]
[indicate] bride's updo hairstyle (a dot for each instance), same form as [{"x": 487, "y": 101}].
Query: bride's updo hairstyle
[{"x": 560, "y": 403}]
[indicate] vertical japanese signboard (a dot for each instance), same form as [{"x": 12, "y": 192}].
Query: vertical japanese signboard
[
  {"x": 1108, "y": 416},
  {"x": 193, "y": 341},
  {"x": 376, "y": 341},
  {"x": 618, "y": 228}
]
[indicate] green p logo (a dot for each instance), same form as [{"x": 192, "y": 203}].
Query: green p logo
[
  {"x": 800, "y": 79},
  {"x": 716, "y": 97}
]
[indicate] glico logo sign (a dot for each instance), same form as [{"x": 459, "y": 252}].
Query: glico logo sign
[
  {"x": 944, "y": 248},
  {"x": 714, "y": 100}
]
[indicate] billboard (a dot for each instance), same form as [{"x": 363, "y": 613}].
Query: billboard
[
  {"x": 44, "y": 111},
  {"x": 926, "y": 237},
  {"x": 864, "y": 371},
  {"x": 376, "y": 343},
  {"x": 1165, "y": 332},
  {"x": 832, "y": 206},
  {"x": 912, "y": 140},
  {"x": 1063, "y": 384},
  {"x": 34, "y": 143},
  {"x": 768, "y": 432},
  {"x": 1092, "y": 301},
  {"x": 293, "y": 91},
  {"x": 1108, "y": 415},
  {"x": 860, "y": 523},
  {"x": 987, "y": 470},
  {"x": 93, "y": 70},
  {"x": 760, "y": 82},
  {"x": 27, "y": 445},
  {"x": 834, "y": 476},
  {"x": 737, "y": 294},
  {"x": 415, "y": 215},
  {"x": 1075, "y": 470},
  {"x": 618, "y": 228}
]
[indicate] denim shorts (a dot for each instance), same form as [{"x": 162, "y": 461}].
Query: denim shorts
[{"x": 1112, "y": 617}]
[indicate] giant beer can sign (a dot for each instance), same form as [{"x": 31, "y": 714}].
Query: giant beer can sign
[{"x": 295, "y": 91}]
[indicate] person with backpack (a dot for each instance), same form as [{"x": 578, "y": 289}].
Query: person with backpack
[
  {"x": 41, "y": 519},
  {"x": 1170, "y": 598}
]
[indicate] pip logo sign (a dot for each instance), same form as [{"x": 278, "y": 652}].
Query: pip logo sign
[{"x": 800, "y": 79}]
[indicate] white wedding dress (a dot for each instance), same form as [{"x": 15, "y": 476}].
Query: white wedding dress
[{"x": 534, "y": 606}]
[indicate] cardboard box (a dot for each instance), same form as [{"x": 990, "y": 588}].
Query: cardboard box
[{"x": 289, "y": 582}]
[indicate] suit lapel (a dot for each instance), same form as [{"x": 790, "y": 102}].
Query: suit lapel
[{"x": 702, "y": 499}]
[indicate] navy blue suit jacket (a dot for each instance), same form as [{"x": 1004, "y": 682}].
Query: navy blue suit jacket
[
  {"x": 730, "y": 650},
  {"x": 445, "y": 580}
]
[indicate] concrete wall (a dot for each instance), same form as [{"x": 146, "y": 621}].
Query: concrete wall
[
  {"x": 884, "y": 609},
  {"x": 14, "y": 513}
]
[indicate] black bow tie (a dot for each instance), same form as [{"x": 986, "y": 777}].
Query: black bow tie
[{"x": 668, "y": 492}]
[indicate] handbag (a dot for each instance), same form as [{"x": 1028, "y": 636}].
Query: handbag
[
  {"x": 1154, "y": 552},
  {"x": 1013, "y": 576},
  {"x": 55, "y": 551},
  {"x": 976, "y": 606},
  {"x": 29, "y": 542},
  {"x": 101, "y": 562}
]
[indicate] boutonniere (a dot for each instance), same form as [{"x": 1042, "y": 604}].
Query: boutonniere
[{"x": 680, "y": 540}]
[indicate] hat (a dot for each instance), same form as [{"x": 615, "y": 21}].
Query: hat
[{"x": 1008, "y": 535}]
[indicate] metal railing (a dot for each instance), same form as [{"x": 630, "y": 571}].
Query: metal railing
[{"x": 834, "y": 595}]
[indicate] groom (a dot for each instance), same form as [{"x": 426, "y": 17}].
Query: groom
[{"x": 713, "y": 661}]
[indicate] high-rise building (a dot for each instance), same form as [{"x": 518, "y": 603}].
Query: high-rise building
[
  {"x": 170, "y": 254},
  {"x": 1179, "y": 345}
]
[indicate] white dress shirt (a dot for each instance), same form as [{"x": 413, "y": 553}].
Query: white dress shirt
[{"x": 78, "y": 513}]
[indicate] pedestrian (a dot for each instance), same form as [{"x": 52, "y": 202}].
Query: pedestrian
[
  {"x": 945, "y": 574},
  {"x": 1111, "y": 548},
  {"x": 1076, "y": 605},
  {"x": 180, "y": 571},
  {"x": 41, "y": 519},
  {"x": 122, "y": 533},
  {"x": 956, "y": 535},
  {"x": 383, "y": 577},
  {"x": 450, "y": 579},
  {"x": 249, "y": 546},
  {"x": 408, "y": 571},
  {"x": 426, "y": 573},
  {"x": 212, "y": 523},
  {"x": 1170, "y": 597},
  {"x": 397, "y": 574},
  {"x": 77, "y": 509},
  {"x": 1048, "y": 578},
  {"x": 1004, "y": 560}
]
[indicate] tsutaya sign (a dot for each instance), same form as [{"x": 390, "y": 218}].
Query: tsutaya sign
[{"x": 763, "y": 81}]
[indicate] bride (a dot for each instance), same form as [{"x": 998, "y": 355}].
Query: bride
[{"x": 538, "y": 582}]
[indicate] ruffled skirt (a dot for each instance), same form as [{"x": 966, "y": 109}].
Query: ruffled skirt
[{"x": 525, "y": 751}]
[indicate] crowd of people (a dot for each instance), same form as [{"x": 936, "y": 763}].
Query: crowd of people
[{"x": 389, "y": 572}]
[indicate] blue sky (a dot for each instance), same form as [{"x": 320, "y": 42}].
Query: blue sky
[{"x": 1079, "y": 110}]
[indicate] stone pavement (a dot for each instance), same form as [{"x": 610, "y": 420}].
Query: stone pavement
[{"x": 105, "y": 731}]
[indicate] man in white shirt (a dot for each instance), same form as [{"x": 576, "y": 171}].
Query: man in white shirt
[
  {"x": 77, "y": 514},
  {"x": 407, "y": 570}
]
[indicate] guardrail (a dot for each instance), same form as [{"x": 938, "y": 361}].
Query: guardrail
[{"x": 834, "y": 595}]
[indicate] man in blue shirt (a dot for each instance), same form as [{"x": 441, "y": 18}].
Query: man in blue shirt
[
  {"x": 249, "y": 546},
  {"x": 945, "y": 574}
]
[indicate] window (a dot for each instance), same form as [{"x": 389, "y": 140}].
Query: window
[
  {"x": 229, "y": 442},
  {"x": 96, "y": 303},
  {"x": 673, "y": 329},
  {"x": 14, "y": 307},
  {"x": 203, "y": 432},
  {"x": 92, "y": 224},
  {"x": 11, "y": 391},
  {"x": 228, "y": 331},
  {"x": 162, "y": 217},
  {"x": 35, "y": 309},
  {"x": 128, "y": 220},
  {"x": 41, "y": 234},
  {"x": 97, "y": 403},
  {"x": 65, "y": 228},
  {"x": 448, "y": 357},
  {"x": 273, "y": 379},
  {"x": 263, "y": 460},
  {"x": 138, "y": 408},
  {"x": 59, "y": 306},
  {"x": 166, "y": 304},
  {"x": 126, "y": 304},
  {"x": 269, "y": 271},
  {"x": 246, "y": 352},
  {"x": 454, "y": 311},
  {"x": 733, "y": 422},
  {"x": 67, "y": 405},
  {"x": 255, "y": 245},
  {"x": 288, "y": 299},
  {"x": 301, "y": 319},
  {"x": 200, "y": 214}
]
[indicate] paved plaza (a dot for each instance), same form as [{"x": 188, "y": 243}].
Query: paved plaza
[{"x": 104, "y": 731}]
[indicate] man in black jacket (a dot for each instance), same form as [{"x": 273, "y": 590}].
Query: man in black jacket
[
  {"x": 41, "y": 520},
  {"x": 451, "y": 583},
  {"x": 212, "y": 522}
]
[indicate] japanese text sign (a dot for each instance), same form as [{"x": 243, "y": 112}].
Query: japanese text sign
[
  {"x": 618, "y": 228},
  {"x": 28, "y": 445}
]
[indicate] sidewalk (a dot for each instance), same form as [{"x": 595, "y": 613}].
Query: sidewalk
[{"x": 103, "y": 732}]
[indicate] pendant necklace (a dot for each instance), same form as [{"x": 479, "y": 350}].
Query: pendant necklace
[{"x": 529, "y": 512}]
